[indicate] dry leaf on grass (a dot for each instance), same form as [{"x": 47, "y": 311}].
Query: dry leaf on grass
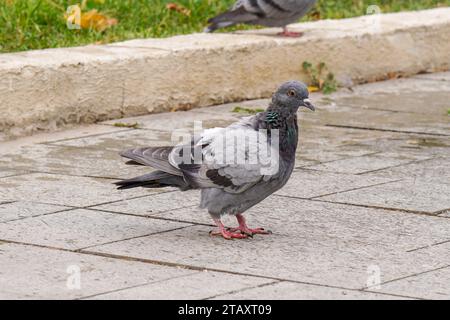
[
  {"x": 89, "y": 20},
  {"x": 178, "y": 8},
  {"x": 95, "y": 20}
]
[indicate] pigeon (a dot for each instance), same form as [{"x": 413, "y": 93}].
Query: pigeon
[
  {"x": 235, "y": 167},
  {"x": 269, "y": 13}
]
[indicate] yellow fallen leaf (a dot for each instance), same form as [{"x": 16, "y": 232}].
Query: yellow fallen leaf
[
  {"x": 313, "y": 89},
  {"x": 178, "y": 8},
  {"x": 95, "y": 20}
]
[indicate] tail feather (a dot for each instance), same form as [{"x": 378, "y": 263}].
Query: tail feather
[
  {"x": 156, "y": 179},
  {"x": 230, "y": 18}
]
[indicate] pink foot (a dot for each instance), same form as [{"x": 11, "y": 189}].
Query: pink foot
[
  {"x": 244, "y": 229},
  {"x": 225, "y": 233},
  {"x": 291, "y": 34}
]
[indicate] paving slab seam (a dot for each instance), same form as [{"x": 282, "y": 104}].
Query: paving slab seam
[
  {"x": 410, "y": 276},
  {"x": 157, "y": 217},
  {"x": 365, "y": 206},
  {"x": 397, "y": 165},
  {"x": 89, "y": 135},
  {"x": 429, "y": 246},
  {"x": 184, "y": 266},
  {"x": 17, "y": 174},
  {"x": 307, "y": 166},
  {"x": 76, "y": 175},
  {"x": 354, "y": 189},
  {"x": 388, "y": 130},
  {"x": 198, "y": 268},
  {"x": 244, "y": 289},
  {"x": 442, "y": 212},
  {"x": 134, "y": 237},
  {"x": 423, "y": 213},
  {"x": 41, "y": 215},
  {"x": 137, "y": 286}
]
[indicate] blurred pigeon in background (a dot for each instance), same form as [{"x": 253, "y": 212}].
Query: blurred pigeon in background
[
  {"x": 269, "y": 13},
  {"x": 235, "y": 167}
]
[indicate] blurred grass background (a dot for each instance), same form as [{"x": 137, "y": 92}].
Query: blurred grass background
[{"x": 38, "y": 24}]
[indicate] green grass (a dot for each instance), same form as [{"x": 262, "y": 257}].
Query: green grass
[{"x": 38, "y": 24}]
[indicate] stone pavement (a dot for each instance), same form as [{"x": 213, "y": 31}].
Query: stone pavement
[{"x": 366, "y": 214}]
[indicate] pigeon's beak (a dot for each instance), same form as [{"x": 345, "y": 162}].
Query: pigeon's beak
[{"x": 307, "y": 103}]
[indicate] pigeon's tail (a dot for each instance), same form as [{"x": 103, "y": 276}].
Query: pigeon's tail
[
  {"x": 214, "y": 26},
  {"x": 229, "y": 18},
  {"x": 156, "y": 179}
]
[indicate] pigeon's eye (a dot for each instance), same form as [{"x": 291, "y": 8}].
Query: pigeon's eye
[{"x": 291, "y": 93}]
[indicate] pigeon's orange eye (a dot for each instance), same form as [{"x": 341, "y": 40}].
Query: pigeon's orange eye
[{"x": 291, "y": 93}]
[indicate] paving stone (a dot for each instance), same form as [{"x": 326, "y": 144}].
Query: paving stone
[
  {"x": 21, "y": 209},
  {"x": 309, "y": 183},
  {"x": 314, "y": 242},
  {"x": 433, "y": 170},
  {"x": 8, "y": 173},
  {"x": 64, "y": 190},
  {"x": 429, "y": 285},
  {"x": 179, "y": 120},
  {"x": 200, "y": 285},
  {"x": 358, "y": 165},
  {"x": 81, "y": 228},
  {"x": 419, "y": 102},
  {"x": 229, "y": 109},
  {"x": 155, "y": 203},
  {"x": 73, "y": 161},
  {"x": 385, "y": 120},
  {"x": 299, "y": 291},
  {"x": 28, "y": 272},
  {"x": 119, "y": 141},
  {"x": 48, "y": 137},
  {"x": 410, "y": 194}
]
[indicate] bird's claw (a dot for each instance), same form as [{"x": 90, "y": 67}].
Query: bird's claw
[
  {"x": 250, "y": 232},
  {"x": 228, "y": 235}
]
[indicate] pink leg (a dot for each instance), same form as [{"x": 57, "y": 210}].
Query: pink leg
[
  {"x": 224, "y": 232},
  {"x": 291, "y": 34},
  {"x": 244, "y": 229}
]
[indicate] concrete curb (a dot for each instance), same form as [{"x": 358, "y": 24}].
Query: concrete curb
[{"x": 46, "y": 89}]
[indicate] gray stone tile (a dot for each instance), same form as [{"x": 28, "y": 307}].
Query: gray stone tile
[
  {"x": 314, "y": 242},
  {"x": 309, "y": 183},
  {"x": 22, "y": 209},
  {"x": 153, "y": 204},
  {"x": 429, "y": 285},
  {"x": 358, "y": 165},
  {"x": 385, "y": 120},
  {"x": 81, "y": 228},
  {"x": 8, "y": 173},
  {"x": 228, "y": 109},
  {"x": 421, "y": 102},
  {"x": 64, "y": 190},
  {"x": 410, "y": 194},
  {"x": 179, "y": 120},
  {"x": 72, "y": 161},
  {"x": 299, "y": 291},
  {"x": 28, "y": 272},
  {"x": 122, "y": 140},
  {"x": 433, "y": 170},
  {"x": 201, "y": 285}
]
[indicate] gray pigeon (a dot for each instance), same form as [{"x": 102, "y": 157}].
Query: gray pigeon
[
  {"x": 235, "y": 167},
  {"x": 269, "y": 13}
]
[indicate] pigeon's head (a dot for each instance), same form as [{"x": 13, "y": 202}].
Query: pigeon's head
[{"x": 293, "y": 95}]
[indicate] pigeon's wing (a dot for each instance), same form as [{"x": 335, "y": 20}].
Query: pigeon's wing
[{"x": 233, "y": 158}]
